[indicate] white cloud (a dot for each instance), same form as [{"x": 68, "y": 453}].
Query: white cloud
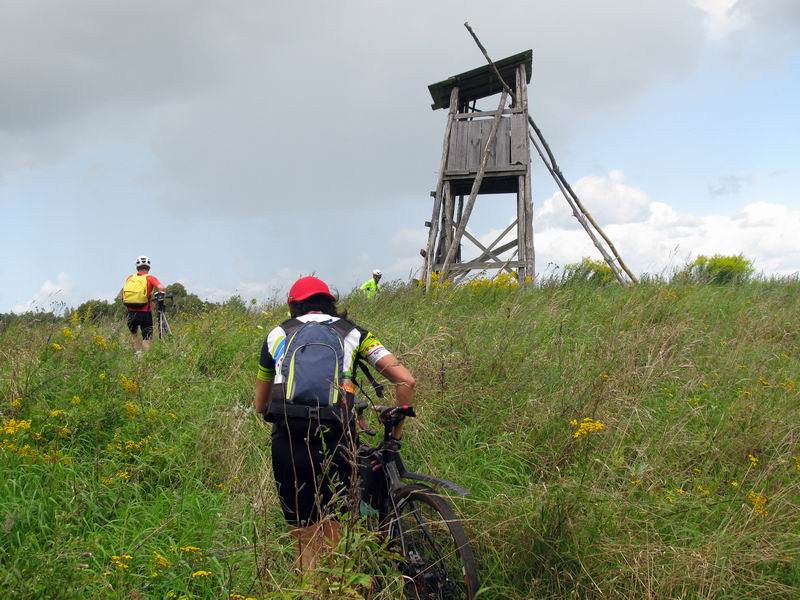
[
  {"x": 612, "y": 201},
  {"x": 653, "y": 237},
  {"x": 722, "y": 17},
  {"x": 52, "y": 295}
]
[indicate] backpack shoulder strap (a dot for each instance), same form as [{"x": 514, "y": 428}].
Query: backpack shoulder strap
[
  {"x": 289, "y": 326},
  {"x": 343, "y": 327}
]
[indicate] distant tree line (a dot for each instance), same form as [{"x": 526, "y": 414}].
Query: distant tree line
[{"x": 180, "y": 302}]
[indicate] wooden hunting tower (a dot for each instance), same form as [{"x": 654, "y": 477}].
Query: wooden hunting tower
[{"x": 484, "y": 152}]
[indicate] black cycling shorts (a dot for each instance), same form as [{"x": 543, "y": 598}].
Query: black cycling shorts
[
  {"x": 143, "y": 319},
  {"x": 313, "y": 470}
]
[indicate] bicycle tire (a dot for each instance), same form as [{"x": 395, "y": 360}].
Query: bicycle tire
[{"x": 429, "y": 570}]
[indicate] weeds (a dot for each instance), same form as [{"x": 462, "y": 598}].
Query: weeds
[{"x": 679, "y": 476}]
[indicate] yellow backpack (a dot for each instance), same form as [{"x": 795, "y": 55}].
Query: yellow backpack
[{"x": 134, "y": 292}]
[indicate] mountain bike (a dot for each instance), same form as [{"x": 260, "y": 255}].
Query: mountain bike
[{"x": 422, "y": 528}]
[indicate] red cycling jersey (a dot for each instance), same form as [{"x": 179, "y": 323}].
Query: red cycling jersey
[{"x": 152, "y": 282}]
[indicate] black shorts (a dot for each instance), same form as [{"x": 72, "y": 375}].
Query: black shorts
[
  {"x": 143, "y": 319},
  {"x": 313, "y": 471}
]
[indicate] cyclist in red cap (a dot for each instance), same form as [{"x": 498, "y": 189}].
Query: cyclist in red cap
[{"x": 304, "y": 386}]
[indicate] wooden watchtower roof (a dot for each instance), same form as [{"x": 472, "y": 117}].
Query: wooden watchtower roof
[
  {"x": 481, "y": 82},
  {"x": 509, "y": 154}
]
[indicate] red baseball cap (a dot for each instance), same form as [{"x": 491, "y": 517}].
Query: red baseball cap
[{"x": 305, "y": 287}]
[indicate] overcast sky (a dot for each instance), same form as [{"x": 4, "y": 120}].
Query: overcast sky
[{"x": 240, "y": 145}]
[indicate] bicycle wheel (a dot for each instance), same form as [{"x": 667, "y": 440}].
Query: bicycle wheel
[{"x": 438, "y": 560}]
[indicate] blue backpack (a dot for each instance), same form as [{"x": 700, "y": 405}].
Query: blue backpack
[{"x": 313, "y": 364}]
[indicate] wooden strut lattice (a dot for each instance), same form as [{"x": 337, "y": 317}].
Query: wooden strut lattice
[{"x": 463, "y": 164}]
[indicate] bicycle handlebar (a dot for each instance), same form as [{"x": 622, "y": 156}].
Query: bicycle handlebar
[{"x": 389, "y": 416}]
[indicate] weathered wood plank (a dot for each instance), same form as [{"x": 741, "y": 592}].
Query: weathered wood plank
[
  {"x": 500, "y": 169},
  {"x": 460, "y": 161},
  {"x": 503, "y": 144},
  {"x": 449, "y": 208},
  {"x": 519, "y": 129},
  {"x": 474, "y": 146},
  {"x": 485, "y": 114},
  {"x": 521, "y": 224},
  {"x": 486, "y": 127}
]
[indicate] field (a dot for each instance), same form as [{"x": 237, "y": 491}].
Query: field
[{"x": 618, "y": 443}]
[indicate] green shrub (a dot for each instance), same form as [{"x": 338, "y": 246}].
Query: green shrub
[
  {"x": 721, "y": 269},
  {"x": 589, "y": 269}
]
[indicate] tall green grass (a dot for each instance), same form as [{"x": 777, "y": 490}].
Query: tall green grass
[{"x": 695, "y": 387}]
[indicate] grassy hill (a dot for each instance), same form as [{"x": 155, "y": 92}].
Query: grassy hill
[{"x": 150, "y": 478}]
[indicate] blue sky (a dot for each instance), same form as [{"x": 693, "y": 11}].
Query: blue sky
[{"x": 244, "y": 146}]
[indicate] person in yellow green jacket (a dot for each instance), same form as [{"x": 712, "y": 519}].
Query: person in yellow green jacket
[{"x": 371, "y": 287}]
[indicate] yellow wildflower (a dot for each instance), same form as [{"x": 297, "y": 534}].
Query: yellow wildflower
[
  {"x": 12, "y": 426},
  {"x": 189, "y": 549},
  {"x": 75, "y": 318},
  {"x": 197, "y": 574},
  {"x": 16, "y": 403},
  {"x": 753, "y": 460},
  {"x": 680, "y": 491},
  {"x": 56, "y": 346},
  {"x": 796, "y": 463},
  {"x": 129, "y": 385},
  {"x": 123, "y": 475},
  {"x": 56, "y": 413},
  {"x": 100, "y": 341},
  {"x": 132, "y": 409},
  {"x": 790, "y": 385},
  {"x": 67, "y": 333},
  {"x": 759, "y": 502},
  {"x": 735, "y": 484},
  {"x": 121, "y": 562},
  {"x": 702, "y": 490},
  {"x": 586, "y": 426},
  {"x": 172, "y": 415},
  {"x": 64, "y": 431},
  {"x": 160, "y": 560},
  {"x": 76, "y": 400},
  {"x": 669, "y": 497},
  {"x": 102, "y": 376}
]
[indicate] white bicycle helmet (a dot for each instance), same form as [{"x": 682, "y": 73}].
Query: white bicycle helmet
[
  {"x": 143, "y": 261},
  {"x": 377, "y": 272}
]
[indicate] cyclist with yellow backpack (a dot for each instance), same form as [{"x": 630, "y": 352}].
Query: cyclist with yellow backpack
[{"x": 136, "y": 295}]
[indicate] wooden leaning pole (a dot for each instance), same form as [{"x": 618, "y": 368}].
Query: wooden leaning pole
[{"x": 495, "y": 159}]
